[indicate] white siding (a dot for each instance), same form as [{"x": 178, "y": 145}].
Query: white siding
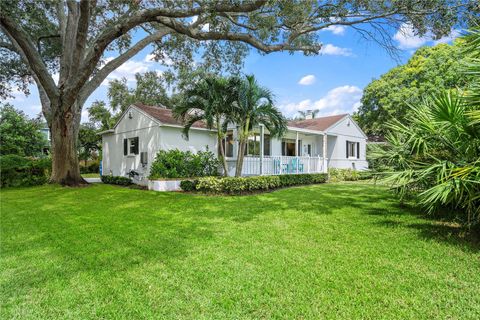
[
  {"x": 152, "y": 138},
  {"x": 146, "y": 129},
  {"x": 199, "y": 140},
  {"x": 346, "y": 130}
]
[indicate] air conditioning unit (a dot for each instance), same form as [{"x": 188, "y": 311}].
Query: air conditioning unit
[{"x": 144, "y": 158}]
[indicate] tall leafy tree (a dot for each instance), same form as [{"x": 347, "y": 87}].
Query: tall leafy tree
[
  {"x": 18, "y": 134},
  {"x": 254, "y": 107},
  {"x": 430, "y": 70},
  {"x": 211, "y": 100},
  {"x": 150, "y": 89},
  {"x": 435, "y": 150},
  {"x": 39, "y": 39}
]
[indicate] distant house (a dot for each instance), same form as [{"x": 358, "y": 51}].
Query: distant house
[{"x": 309, "y": 145}]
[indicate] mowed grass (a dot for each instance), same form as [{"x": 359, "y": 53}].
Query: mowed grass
[{"x": 327, "y": 251}]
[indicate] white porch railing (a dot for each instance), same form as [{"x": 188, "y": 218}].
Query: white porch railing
[{"x": 276, "y": 165}]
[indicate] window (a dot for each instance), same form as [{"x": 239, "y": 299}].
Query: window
[
  {"x": 130, "y": 146},
  {"x": 227, "y": 143},
  {"x": 288, "y": 147},
  {"x": 253, "y": 145},
  {"x": 353, "y": 149}
]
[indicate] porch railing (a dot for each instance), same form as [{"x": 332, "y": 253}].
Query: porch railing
[{"x": 276, "y": 165}]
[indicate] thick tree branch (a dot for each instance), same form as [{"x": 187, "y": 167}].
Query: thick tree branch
[
  {"x": 30, "y": 55},
  {"x": 130, "y": 21},
  {"x": 235, "y": 36},
  {"x": 112, "y": 65}
]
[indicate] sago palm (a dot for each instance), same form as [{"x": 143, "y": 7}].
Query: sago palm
[
  {"x": 255, "y": 106},
  {"x": 212, "y": 101},
  {"x": 436, "y": 152}
]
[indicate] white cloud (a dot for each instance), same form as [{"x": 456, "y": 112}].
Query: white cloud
[
  {"x": 407, "y": 39},
  {"x": 127, "y": 70},
  {"x": 343, "y": 99},
  {"x": 337, "y": 30},
  {"x": 307, "y": 80},
  {"x": 332, "y": 50},
  {"x": 205, "y": 27},
  {"x": 448, "y": 38}
]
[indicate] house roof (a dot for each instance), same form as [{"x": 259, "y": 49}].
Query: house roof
[
  {"x": 165, "y": 115},
  {"x": 319, "y": 124}
]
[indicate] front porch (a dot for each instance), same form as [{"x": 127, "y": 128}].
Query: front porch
[
  {"x": 297, "y": 152},
  {"x": 277, "y": 165}
]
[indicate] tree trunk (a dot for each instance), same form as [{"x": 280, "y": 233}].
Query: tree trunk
[
  {"x": 64, "y": 129},
  {"x": 240, "y": 156},
  {"x": 222, "y": 156}
]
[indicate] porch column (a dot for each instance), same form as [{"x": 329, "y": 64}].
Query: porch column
[
  {"x": 296, "y": 144},
  {"x": 235, "y": 141},
  {"x": 262, "y": 134},
  {"x": 325, "y": 169},
  {"x": 296, "y": 150}
]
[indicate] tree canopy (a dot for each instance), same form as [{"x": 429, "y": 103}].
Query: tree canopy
[
  {"x": 18, "y": 134},
  {"x": 429, "y": 71}
]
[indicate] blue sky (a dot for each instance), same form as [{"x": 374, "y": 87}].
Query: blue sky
[{"x": 331, "y": 82}]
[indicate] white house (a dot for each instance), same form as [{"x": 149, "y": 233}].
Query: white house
[{"x": 310, "y": 145}]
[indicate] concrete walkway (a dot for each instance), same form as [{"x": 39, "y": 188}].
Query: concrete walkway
[{"x": 93, "y": 180}]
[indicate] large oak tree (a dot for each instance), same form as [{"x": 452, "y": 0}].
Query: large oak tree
[{"x": 72, "y": 39}]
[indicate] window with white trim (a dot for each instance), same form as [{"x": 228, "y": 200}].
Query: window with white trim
[{"x": 353, "y": 149}]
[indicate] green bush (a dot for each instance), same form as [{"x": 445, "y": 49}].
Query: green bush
[
  {"x": 336, "y": 175},
  {"x": 121, "y": 181},
  {"x": 17, "y": 171},
  {"x": 188, "y": 185},
  {"x": 235, "y": 185},
  {"x": 93, "y": 167},
  {"x": 183, "y": 164}
]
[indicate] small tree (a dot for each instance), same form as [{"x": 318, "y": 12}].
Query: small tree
[
  {"x": 255, "y": 107},
  {"x": 88, "y": 141},
  {"x": 18, "y": 134},
  {"x": 212, "y": 101}
]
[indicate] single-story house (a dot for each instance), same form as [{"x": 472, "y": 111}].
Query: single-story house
[{"x": 310, "y": 145}]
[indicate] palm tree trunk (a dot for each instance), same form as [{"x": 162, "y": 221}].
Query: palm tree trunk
[
  {"x": 222, "y": 156},
  {"x": 241, "y": 148},
  {"x": 240, "y": 156}
]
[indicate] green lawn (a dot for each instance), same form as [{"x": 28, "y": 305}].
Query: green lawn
[
  {"x": 91, "y": 175},
  {"x": 327, "y": 251}
]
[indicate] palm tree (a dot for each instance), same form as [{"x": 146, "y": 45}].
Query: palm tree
[
  {"x": 211, "y": 100},
  {"x": 435, "y": 153},
  {"x": 254, "y": 106}
]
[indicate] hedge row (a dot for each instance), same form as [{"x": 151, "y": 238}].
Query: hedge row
[
  {"x": 122, "y": 181},
  {"x": 18, "y": 171},
  {"x": 235, "y": 185}
]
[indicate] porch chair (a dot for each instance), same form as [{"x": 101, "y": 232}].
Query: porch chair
[{"x": 294, "y": 166}]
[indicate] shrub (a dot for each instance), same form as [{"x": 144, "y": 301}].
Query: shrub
[
  {"x": 335, "y": 175},
  {"x": 118, "y": 180},
  {"x": 93, "y": 167},
  {"x": 235, "y": 185},
  {"x": 19, "y": 171},
  {"x": 183, "y": 164},
  {"x": 188, "y": 185}
]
